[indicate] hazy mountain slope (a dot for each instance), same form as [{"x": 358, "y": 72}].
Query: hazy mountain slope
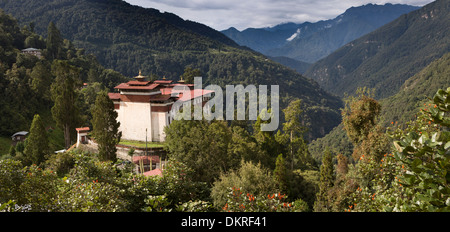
[
  {"x": 297, "y": 65},
  {"x": 128, "y": 38},
  {"x": 261, "y": 39},
  {"x": 385, "y": 58},
  {"x": 402, "y": 106},
  {"x": 399, "y": 108},
  {"x": 310, "y": 42}
]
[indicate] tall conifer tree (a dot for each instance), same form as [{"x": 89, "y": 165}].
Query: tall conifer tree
[
  {"x": 54, "y": 42},
  {"x": 106, "y": 127},
  {"x": 37, "y": 142},
  {"x": 326, "y": 182},
  {"x": 280, "y": 174},
  {"x": 65, "y": 111}
]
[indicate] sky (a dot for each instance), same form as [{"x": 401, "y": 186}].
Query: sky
[{"x": 242, "y": 14}]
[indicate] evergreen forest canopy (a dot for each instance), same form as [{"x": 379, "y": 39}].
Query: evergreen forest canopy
[
  {"x": 28, "y": 82},
  {"x": 128, "y": 38}
]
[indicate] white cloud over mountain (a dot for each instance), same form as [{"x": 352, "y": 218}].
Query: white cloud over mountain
[{"x": 241, "y": 14}]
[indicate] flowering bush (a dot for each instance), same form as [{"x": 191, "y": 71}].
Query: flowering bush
[
  {"x": 30, "y": 188},
  {"x": 238, "y": 201},
  {"x": 92, "y": 196}
]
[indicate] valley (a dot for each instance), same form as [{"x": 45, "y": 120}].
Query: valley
[{"x": 364, "y": 102}]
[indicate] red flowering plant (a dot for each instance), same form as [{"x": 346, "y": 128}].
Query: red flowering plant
[{"x": 240, "y": 201}]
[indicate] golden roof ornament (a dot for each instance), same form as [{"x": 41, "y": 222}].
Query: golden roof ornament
[
  {"x": 140, "y": 77},
  {"x": 181, "y": 80}
]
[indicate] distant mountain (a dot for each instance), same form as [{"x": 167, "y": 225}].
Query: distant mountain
[
  {"x": 310, "y": 42},
  {"x": 386, "y": 57},
  {"x": 297, "y": 65},
  {"x": 262, "y": 39},
  {"x": 128, "y": 38}
]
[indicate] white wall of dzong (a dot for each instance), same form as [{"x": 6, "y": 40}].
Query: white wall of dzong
[
  {"x": 135, "y": 118},
  {"x": 159, "y": 120}
]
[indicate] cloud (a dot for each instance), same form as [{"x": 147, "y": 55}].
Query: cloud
[{"x": 241, "y": 14}]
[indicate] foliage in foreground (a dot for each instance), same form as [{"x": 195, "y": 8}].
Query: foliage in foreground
[
  {"x": 401, "y": 170},
  {"x": 91, "y": 185},
  {"x": 415, "y": 177}
]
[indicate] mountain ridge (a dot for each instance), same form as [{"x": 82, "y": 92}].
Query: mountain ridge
[
  {"x": 310, "y": 42},
  {"x": 386, "y": 57}
]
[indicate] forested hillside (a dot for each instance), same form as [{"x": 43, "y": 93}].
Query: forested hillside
[
  {"x": 298, "y": 66},
  {"x": 415, "y": 92},
  {"x": 26, "y": 80},
  {"x": 385, "y": 58},
  {"x": 128, "y": 38},
  {"x": 398, "y": 109}
]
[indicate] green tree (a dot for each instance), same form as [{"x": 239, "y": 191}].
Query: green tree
[
  {"x": 88, "y": 95},
  {"x": 326, "y": 182},
  {"x": 280, "y": 174},
  {"x": 41, "y": 79},
  {"x": 294, "y": 132},
  {"x": 360, "y": 115},
  {"x": 106, "y": 127},
  {"x": 189, "y": 74},
  {"x": 202, "y": 146},
  {"x": 37, "y": 145},
  {"x": 12, "y": 151},
  {"x": 65, "y": 111},
  {"x": 267, "y": 142},
  {"x": 243, "y": 145},
  {"x": 55, "y": 42}
]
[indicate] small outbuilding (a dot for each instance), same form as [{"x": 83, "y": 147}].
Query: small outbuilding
[
  {"x": 33, "y": 51},
  {"x": 82, "y": 133},
  {"x": 19, "y": 136}
]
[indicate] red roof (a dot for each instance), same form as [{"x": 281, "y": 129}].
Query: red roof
[
  {"x": 193, "y": 94},
  {"x": 145, "y": 159},
  {"x": 127, "y": 86},
  {"x": 166, "y": 90},
  {"x": 83, "y": 129},
  {"x": 114, "y": 96},
  {"x": 159, "y": 97},
  {"x": 139, "y": 83},
  {"x": 162, "y": 81},
  {"x": 154, "y": 172}
]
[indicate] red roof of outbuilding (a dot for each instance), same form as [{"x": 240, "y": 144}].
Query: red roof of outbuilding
[
  {"x": 83, "y": 129},
  {"x": 145, "y": 159},
  {"x": 154, "y": 172}
]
